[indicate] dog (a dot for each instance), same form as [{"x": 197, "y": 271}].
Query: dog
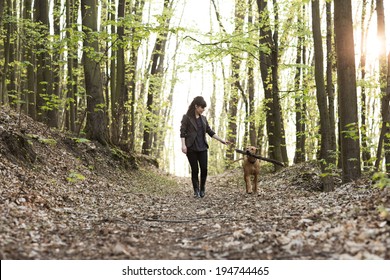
[{"x": 251, "y": 166}]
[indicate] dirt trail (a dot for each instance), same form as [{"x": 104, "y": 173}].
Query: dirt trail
[
  {"x": 282, "y": 222},
  {"x": 63, "y": 198}
]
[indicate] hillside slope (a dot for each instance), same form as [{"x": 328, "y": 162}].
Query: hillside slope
[{"x": 68, "y": 198}]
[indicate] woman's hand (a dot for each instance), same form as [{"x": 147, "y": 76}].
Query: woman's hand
[{"x": 184, "y": 149}]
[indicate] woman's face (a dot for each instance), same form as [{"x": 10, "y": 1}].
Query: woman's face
[{"x": 199, "y": 110}]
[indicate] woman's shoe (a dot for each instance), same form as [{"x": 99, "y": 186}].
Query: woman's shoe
[
  {"x": 196, "y": 193},
  {"x": 202, "y": 190}
]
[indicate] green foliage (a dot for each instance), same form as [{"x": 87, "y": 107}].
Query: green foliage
[
  {"x": 52, "y": 102},
  {"x": 81, "y": 140},
  {"x": 74, "y": 177},
  {"x": 352, "y": 131},
  {"x": 381, "y": 180},
  {"x": 100, "y": 107},
  {"x": 47, "y": 141}
]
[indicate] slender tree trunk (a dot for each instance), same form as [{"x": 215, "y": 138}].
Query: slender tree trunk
[
  {"x": 269, "y": 74},
  {"x": 2, "y": 54},
  {"x": 44, "y": 77},
  {"x": 135, "y": 44},
  {"x": 113, "y": 124},
  {"x": 156, "y": 73},
  {"x": 233, "y": 107},
  {"x": 387, "y": 100},
  {"x": 383, "y": 72},
  {"x": 329, "y": 83},
  {"x": 118, "y": 96},
  {"x": 118, "y": 110},
  {"x": 70, "y": 110},
  {"x": 366, "y": 155},
  {"x": 96, "y": 125},
  {"x": 322, "y": 102},
  {"x": 7, "y": 53},
  {"x": 55, "y": 69},
  {"x": 299, "y": 99},
  {"x": 251, "y": 89},
  {"x": 251, "y": 101},
  {"x": 346, "y": 73}
]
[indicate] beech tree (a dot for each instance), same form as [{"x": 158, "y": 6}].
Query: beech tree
[
  {"x": 322, "y": 102},
  {"x": 269, "y": 74},
  {"x": 346, "y": 81},
  {"x": 96, "y": 125},
  {"x": 155, "y": 75},
  {"x": 384, "y": 137}
]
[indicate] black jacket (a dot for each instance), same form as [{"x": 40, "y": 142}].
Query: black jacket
[{"x": 188, "y": 129}]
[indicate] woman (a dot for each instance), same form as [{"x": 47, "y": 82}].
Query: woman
[{"x": 194, "y": 127}]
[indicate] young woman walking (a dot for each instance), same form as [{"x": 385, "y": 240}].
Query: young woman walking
[{"x": 193, "y": 129}]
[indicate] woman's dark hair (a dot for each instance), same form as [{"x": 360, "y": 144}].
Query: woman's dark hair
[{"x": 199, "y": 101}]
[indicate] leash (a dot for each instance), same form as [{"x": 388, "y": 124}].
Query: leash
[{"x": 259, "y": 157}]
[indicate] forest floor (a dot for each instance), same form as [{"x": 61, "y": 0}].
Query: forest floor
[{"x": 67, "y": 198}]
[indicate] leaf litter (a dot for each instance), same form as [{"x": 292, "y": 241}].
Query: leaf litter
[{"x": 79, "y": 200}]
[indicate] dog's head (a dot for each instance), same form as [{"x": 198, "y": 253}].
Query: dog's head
[{"x": 250, "y": 150}]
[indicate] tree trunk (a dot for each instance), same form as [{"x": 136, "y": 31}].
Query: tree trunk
[
  {"x": 385, "y": 95},
  {"x": 366, "y": 155},
  {"x": 7, "y": 10},
  {"x": 119, "y": 97},
  {"x": 96, "y": 125},
  {"x": 251, "y": 103},
  {"x": 251, "y": 89},
  {"x": 329, "y": 83},
  {"x": 156, "y": 73},
  {"x": 346, "y": 73},
  {"x": 56, "y": 85},
  {"x": 300, "y": 114},
  {"x": 70, "y": 110},
  {"x": 387, "y": 100},
  {"x": 322, "y": 101},
  {"x": 2, "y": 54},
  {"x": 43, "y": 75},
  {"x": 135, "y": 44},
  {"x": 269, "y": 64}
]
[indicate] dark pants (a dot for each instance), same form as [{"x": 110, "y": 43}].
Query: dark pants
[{"x": 196, "y": 160}]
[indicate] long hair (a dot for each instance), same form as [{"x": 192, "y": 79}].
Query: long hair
[{"x": 199, "y": 101}]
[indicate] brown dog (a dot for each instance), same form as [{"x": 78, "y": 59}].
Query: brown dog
[{"x": 251, "y": 167}]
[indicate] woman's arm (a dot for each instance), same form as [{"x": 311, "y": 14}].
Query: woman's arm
[{"x": 215, "y": 136}]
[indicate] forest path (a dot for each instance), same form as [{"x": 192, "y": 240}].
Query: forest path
[
  {"x": 282, "y": 222},
  {"x": 61, "y": 198}
]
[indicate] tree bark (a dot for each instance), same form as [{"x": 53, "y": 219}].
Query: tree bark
[
  {"x": 96, "y": 125},
  {"x": 156, "y": 73},
  {"x": 346, "y": 73},
  {"x": 366, "y": 155},
  {"x": 385, "y": 94},
  {"x": 43, "y": 76},
  {"x": 70, "y": 110},
  {"x": 135, "y": 44},
  {"x": 300, "y": 114},
  {"x": 119, "y": 96},
  {"x": 269, "y": 74},
  {"x": 322, "y": 102},
  {"x": 329, "y": 83}
]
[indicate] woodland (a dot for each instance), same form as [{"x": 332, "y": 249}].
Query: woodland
[{"x": 88, "y": 90}]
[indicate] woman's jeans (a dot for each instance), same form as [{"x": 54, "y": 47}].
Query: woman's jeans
[{"x": 198, "y": 160}]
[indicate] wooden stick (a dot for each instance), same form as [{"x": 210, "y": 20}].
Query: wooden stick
[{"x": 260, "y": 157}]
